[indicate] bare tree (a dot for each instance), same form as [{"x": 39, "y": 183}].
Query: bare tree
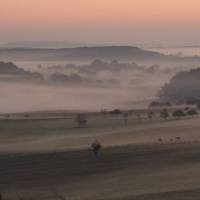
[
  {"x": 164, "y": 114},
  {"x": 81, "y": 120},
  {"x": 150, "y": 115},
  {"x": 125, "y": 115},
  {"x": 160, "y": 140},
  {"x": 178, "y": 139},
  {"x": 139, "y": 116}
]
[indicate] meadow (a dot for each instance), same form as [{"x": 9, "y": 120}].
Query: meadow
[{"x": 50, "y": 158}]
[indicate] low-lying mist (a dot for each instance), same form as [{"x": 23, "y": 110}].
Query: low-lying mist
[
  {"x": 131, "y": 89},
  {"x": 18, "y": 97}
]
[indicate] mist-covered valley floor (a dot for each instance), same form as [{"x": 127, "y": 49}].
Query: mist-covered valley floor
[
  {"x": 85, "y": 78},
  {"x": 88, "y": 87}
]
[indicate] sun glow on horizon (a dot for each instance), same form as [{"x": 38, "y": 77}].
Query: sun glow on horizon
[{"x": 49, "y": 15}]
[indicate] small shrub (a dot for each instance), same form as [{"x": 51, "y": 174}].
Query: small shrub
[
  {"x": 191, "y": 112},
  {"x": 178, "y": 113}
]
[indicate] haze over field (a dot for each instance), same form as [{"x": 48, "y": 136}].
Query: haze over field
[{"x": 96, "y": 86}]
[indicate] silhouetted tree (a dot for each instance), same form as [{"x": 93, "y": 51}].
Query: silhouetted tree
[
  {"x": 177, "y": 139},
  {"x": 125, "y": 115},
  {"x": 164, "y": 114},
  {"x": 191, "y": 112},
  {"x": 178, "y": 113},
  {"x": 116, "y": 112},
  {"x": 81, "y": 120},
  {"x": 139, "y": 116},
  {"x": 26, "y": 115},
  {"x": 150, "y": 115},
  {"x": 160, "y": 140}
]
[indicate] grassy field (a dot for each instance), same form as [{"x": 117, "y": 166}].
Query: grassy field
[
  {"x": 169, "y": 172},
  {"x": 64, "y": 133},
  {"x": 50, "y": 159}
]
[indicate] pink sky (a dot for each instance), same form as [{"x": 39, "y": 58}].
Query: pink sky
[{"x": 96, "y": 21}]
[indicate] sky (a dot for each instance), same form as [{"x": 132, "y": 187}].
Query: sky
[{"x": 101, "y": 21}]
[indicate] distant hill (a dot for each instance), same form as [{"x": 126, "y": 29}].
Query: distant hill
[
  {"x": 85, "y": 54},
  {"x": 123, "y": 53},
  {"x": 183, "y": 86}
]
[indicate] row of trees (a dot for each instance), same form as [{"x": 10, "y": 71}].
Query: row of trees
[
  {"x": 81, "y": 119},
  {"x": 178, "y": 113}
]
